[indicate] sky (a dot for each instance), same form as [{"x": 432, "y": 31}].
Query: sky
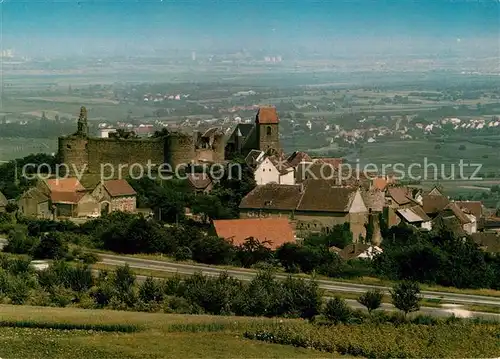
[{"x": 64, "y": 27}]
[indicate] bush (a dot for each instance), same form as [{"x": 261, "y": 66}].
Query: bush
[
  {"x": 19, "y": 290},
  {"x": 89, "y": 258},
  {"x": 150, "y": 291},
  {"x": 337, "y": 311},
  {"x": 183, "y": 254},
  {"x": 20, "y": 243},
  {"x": 371, "y": 300},
  {"x": 51, "y": 246},
  {"x": 180, "y": 305}
]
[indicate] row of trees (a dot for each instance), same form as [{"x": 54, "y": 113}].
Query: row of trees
[{"x": 436, "y": 257}]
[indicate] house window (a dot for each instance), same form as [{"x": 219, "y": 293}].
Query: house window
[{"x": 269, "y": 130}]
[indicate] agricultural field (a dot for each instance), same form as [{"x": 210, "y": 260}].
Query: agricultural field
[
  {"x": 446, "y": 156},
  {"x": 12, "y": 148},
  {"x": 42, "y": 332}
]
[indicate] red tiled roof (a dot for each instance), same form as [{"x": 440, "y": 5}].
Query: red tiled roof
[
  {"x": 64, "y": 185},
  {"x": 474, "y": 207},
  {"x": 379, "y": 183},
  {"x": 273, "y": 196},
  {"x": 323, "y": 195},
  {"x": 434, "y": 203},
  {"x": 275, "y": 230},
  {"x": 399, "y": 194},
  {"x": 117, "y": 188},
  {"x": 66, "y": 197},
  {"x": 267, "y": 115}
]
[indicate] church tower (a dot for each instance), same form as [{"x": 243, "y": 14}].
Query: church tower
[
  {"x": 267, "y": 126},
  {"x": 83, "y": 126}
]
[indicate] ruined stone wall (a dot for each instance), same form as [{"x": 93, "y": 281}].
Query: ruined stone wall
[
  {"x": 219, "y": 148},
  {"x": 179, "y": 149},
  {"x": 73, "y": 152},
  {"x": 123, "y": 152},
  {"x": 92, "y": 154}
]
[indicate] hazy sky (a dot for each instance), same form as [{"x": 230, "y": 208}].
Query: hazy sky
[{"x": 43, "y": 27}]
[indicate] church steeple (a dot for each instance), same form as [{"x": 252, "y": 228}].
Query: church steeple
[{"x": 83, "y": 127}]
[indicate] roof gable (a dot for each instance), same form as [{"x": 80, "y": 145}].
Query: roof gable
[
  {"x": 474, "y": 207},
  {"x": 64, "y": 185},
  {"x": 118, "y": 188}
]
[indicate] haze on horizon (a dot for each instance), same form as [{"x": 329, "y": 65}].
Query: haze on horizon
[{"x": 331, "y": 28}]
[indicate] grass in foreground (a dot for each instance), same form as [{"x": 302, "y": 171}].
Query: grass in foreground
[{"x": 159, "y": 336}]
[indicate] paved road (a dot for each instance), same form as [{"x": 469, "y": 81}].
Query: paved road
[{"x": 333, "y": 286}]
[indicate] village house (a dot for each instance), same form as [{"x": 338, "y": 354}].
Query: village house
[
  {"x": 314, "y": 206},
  {"x": 415, "y": 216},
  {"x": 455, "y": 219},
  {"x": 271, "y": 232},
  {"x": 35, "y": 203},
  {"x": 115, "y": 195},
  {"x": 434, "y": 202},
  {"x": 473, "y": 207},
  {"x": 68, "y": 198},
  {"x": 359, "y": 251},
  {"x": 273, "y": 170}
]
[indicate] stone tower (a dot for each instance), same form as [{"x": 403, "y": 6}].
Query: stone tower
[
  {"x": 267, "y": 126},
  {"x": 83, "y": 126}
]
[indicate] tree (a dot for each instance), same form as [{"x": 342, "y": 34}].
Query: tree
[
  {"x": 150, "y": 291},
  {"x": 372, "y": 300},
  {"x": 337, "y": 311},
  {"x": 405, "y": 297}
]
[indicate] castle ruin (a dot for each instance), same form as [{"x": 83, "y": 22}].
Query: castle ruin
[{"x": 88, "y": 155}]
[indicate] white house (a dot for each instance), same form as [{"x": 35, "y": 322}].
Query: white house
[{"x": 273, "y": 170}]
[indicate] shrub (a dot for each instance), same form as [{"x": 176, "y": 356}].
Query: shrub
[
  {"x": 150, "y": 291},
  {"x": 103, "y": 294},
  {"x": 89, "y": 258},
  {"x": 371, "y": 300},
  {"x": 180, "y": 305},
  {"x": 61, "y": 296},
  {"x": 20, "y": 243},
  {"x": 337, "y": 311},
  {"x": 123, "y": 279},
  {"x": 183, "y": 254},
  {"x": 19, "y": 290},
  {"x": 405, "y": 297},
  {"x": 173, "y": 286},
  {"x": 51, "y": 246}
]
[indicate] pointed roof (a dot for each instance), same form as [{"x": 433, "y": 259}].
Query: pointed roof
[
  {"x": 64, "y": 185},
  {"x": 117, "y": 188},
  {"x": 267, "y": 115}
]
